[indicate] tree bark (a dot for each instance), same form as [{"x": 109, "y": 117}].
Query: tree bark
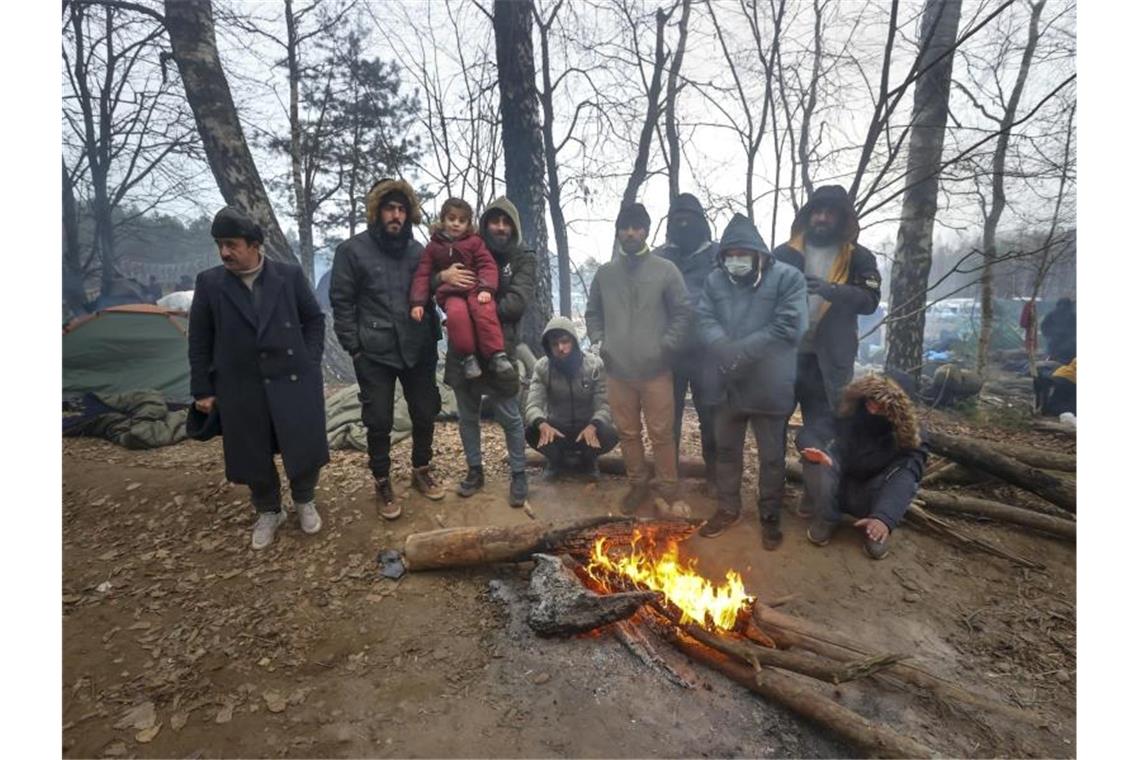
[
  {"x": 523, "y": 162},
  {"x": 301, "y": 202},
  {"x": 554, "y": 184},
  {"x": 910, "y": 275},
  {"x": 652, "y": 114},
  {"x": 948, "y": 502},
  {"x": 190, "y": 24},
  {"x": 1061, "y": 492},
  {"x": 73, "y": 293},
  {"x": 997, "y": 201},
  {"x": 672, "y": 137}
]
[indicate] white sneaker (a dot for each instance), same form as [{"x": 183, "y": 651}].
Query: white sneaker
[
  {"x": 266, "y": 528},
  {"x": 309, "y": 516}
]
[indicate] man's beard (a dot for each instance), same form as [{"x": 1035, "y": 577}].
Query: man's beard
[
  {"x": 498, "y": 243},
  {"x": 631, "y": 246},
  {"x": 391, "y": 241},
  {"x": 570, "y": 364},
  {"x": 822, "y": 234}
]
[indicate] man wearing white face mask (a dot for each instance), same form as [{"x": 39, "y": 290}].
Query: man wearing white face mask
[{"x": 751, "y": 316}]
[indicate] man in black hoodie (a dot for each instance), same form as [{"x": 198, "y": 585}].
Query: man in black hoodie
[
  {"x": 751, "y": 316},
  {"x": 369, "y": 286},
  {"x": 689, "y": 245},
  {"x": 842, "y": 283}
]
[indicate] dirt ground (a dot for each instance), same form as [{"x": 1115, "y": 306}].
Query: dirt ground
[{"x": 304, "y": 651}]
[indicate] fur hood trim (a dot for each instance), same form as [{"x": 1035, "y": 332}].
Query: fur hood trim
[
  {"x": 385, "y": 186},
  {"x": 897, "y": 406}
]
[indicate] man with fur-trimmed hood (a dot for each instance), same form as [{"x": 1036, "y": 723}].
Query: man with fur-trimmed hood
[
  {"x": 369, "y": 289},
  {"x": 842, "y": 283},
  {"x": 872, "y": 468}
]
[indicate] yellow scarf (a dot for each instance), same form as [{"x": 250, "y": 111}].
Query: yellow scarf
[
  {"x": 840, "y": 268},
  {"x": 1068, "y": 372}
]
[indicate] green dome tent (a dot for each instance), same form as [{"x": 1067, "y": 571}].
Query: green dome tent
[{"x": 128, "y": 348}]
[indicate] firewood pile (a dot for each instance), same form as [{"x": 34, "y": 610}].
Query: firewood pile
[{"x": 623, "y": 577}]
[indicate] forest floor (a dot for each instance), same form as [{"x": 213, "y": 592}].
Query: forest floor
[{"x": 180, "y": 641}]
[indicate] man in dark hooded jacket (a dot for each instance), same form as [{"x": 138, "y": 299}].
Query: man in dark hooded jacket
[
  {"x": 689, "y": 245},
  {"x": 751, "y": 316},
  {"x": 1060, "y": 331},
  {"x": 567, "y": 415},
  {"x": 369, "y": 287},
  {"x": 842, "y": 283},
  {"x": 873, "y": 466},
  {"x": 500, "y": 229}
]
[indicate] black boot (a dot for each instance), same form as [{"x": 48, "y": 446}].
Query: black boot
[
  {"x": 472, "y": 482},
  {"x": 770, "y": 534},
  {"x": 518, "y": 489}
]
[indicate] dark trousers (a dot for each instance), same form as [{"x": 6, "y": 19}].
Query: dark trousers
[
  {"x": 377, "y": 398},
  {"x": 818, "y": 417},
  {"x": 886, "y": 496},
  {"x": 566, "y": 452},
  {"x": 769, "y": 432},
  {"x": 266, "y": 497},
  {"x": 690, "y": 377},
  {"x": 1060, "y": 396},
  {"x": 473, "y": 327}
]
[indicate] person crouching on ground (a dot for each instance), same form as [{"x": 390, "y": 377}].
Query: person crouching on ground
[
  {"x": 751, "y": 316},
  {"x": 256, "y": 338},
  {"x": 567, "y": 415},
  {"x": 472, "y": 323},
  {"x": 873, "y": 468}
]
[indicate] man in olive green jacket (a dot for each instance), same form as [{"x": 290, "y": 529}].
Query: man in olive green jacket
[{"x": 638, "y": 316}]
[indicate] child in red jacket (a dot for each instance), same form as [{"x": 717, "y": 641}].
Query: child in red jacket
[{"x": 472, "y": 316}]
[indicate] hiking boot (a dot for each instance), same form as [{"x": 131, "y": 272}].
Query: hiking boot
[
  {"x": 518, "y": 489},
  {"x": 308, "y": 516},
  {"x": 266, "y": 528},
  {"x": 770, "y": 535},
  {"x": 386, "y": 504},
  {"x": 719, "y": 523},
  {"x": 820, "y": 531},
  {"x": 471, "y": 483},
  {"x": 876, "y": 549},
  {"x": 636, "y": 496},
  {"x": 423, "y": 482},
  {"x": 502, "y": 366},
  {"x": 471, "y": 368}
]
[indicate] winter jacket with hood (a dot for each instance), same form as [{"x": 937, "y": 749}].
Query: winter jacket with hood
[
  {"x": 695, "y": 265},
  {"x": 639, "y": 314},
  {"x": 567, "y": 402},
  {"x": 752, "y": 327},
  {"x": 369, "y": 287},
  {"x": 440, "y": 253},
  {"x": 855, "y": 291},
  {"x": 516, "y": 265},
  {"x": 869, "y": 444}
]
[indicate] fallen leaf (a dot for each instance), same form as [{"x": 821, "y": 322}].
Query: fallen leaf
[
  {"x": 540, "y": 679},
  {"x": 178, "y": 720},
  {"x": 138, "y": 717},
  {"x": 118, "y": 749},
  {"x": 133, "y": 486},
  {"x": 145, "y": 736},
  {"x": 107, "y": 556},
  {"x": 274, "y": 701},
  {"x": 226, "y": 714},
  {"x": 72, "y": 598},
  {"x": 911, "y": 598}
]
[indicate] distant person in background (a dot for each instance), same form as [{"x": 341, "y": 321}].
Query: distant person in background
[
  {"x": 1060, "y": 331},
  {"x": 153, "y": 289},
  {"x": 1056, "y": 390},
  {"x": 689, "y": 245},
  {"x": 184, "y": 283},
  {"x": 256, "y": 339}
]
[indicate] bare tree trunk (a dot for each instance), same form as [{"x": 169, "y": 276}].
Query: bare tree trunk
[
  {"x": 997, "y": 202},
  {"x": 672, "y": 138},
  {"x": 522, "y": 148},
  {"x": 190, "y": 24},
  {"x": 652, "y": 113},
  {"x": 73, "y": 294},
  {"x": 301, "y": 203},
  {"x": 911, "y": 271},
  {"x": 554, "y": 184}
]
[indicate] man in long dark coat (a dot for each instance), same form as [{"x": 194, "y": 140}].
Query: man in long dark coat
[{"x": 256, "y": 340}]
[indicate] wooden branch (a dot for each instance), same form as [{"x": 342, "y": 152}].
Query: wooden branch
[
  {"x": 787, "y": 691},
  {"x": 947, "y": 502},
  {"x": 919, "y": 517},
  {"x": 990, "y": 459},
  {"x": 829, "y": 643},
  {"x": 467, "y": 546}
]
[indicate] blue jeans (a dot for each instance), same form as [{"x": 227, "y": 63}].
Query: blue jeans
[{"x": 506, "y": 410}]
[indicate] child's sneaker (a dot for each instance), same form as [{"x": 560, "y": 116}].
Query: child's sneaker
[
  {"x": 501, "y": 365},
  {"x": 471, "y": 368}
]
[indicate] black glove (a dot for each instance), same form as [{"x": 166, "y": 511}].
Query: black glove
[{"x": 817, "y": 286}]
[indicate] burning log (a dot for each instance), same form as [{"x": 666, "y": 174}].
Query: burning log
[
  {"x": 467, "y": 547},
  {"x": 982, "y": 456},
  {"x": 826, "y": 642},
  {"x": 947, "y": 502},
  {"x": 787, "y": 691},
  {"x": 563, "y": 606}
]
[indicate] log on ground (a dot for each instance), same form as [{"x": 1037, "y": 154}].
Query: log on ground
[{"x": 947, "y": 502}]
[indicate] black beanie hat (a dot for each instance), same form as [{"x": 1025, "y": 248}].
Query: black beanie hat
[
  {"x": 632, "y": 215},
  {"x": 232, "y": 223}
]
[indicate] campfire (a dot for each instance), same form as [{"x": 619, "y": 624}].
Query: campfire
[{"x": 639, "y": 567}]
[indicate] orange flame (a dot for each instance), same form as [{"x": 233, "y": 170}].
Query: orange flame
[{"x": 698, "y": 599}]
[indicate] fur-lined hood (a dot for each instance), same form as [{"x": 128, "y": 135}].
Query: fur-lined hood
[
  {"x": 385, "y": 186},
  {"x": 898, "y": 409}
]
